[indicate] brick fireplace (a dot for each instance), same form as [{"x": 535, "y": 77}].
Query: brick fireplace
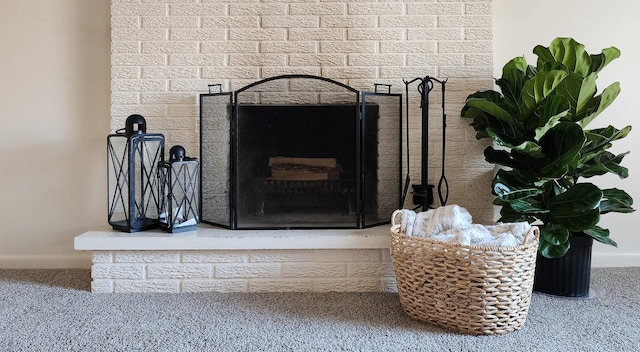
[{"x": 166, "y": 53}]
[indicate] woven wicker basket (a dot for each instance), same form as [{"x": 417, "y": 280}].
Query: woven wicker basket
[{"x": 468, "y": 289}]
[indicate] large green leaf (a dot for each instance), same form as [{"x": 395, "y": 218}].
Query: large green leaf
[
  {"x": 537, "y": 89},
  {"x": 493, "y": 109},
  {"x": 566, "y": 51},
  {"x": 601, "y": 138},
  {"x": 581, "y": 197},
  {"x": 514, "y": 74},
  {"x": 602, "y": 163},
  {"x": 576, "y": 209},
  {"x": 598, "y": 104},
  {"x": 554, "y": 234},
  {"x": 561, "y": 145},
  {"x": 508, "y": 186},
  {"x": 601, "y": 235},
  {"x": 616, "y": 200},
  {"x": 579, "y": 91},
  {"x": 599, "y": 61}
]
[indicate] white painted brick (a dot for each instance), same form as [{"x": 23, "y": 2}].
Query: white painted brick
[
  {"x": 456, "y": 71},
  {"x": 465, "y": 21},
  {"x": 169, "y": 22},
  {"x": 146, "y": 286},
  {"x": 280, "y": 286},
  {"x": 129, "y": 34},
  {"x": 138, "y": 9},
  {"x": 435, "y": 34},
  {"x": 289, "y": 22},
  {"x": 120, "y": 113},
  {"x": 250, "y": 270},
  {"x": 194, "y": 285},
  {"x": 197, "y": 34},
  {"x": 347, "y": 255},
  {"x": 370, "y": 269},
  {"x": 408, "y": 47},
  {"x": 102, "y": 257},
  {"x": 129, "y": 85},
  {"x": 375, "y": 34},
  {"x": 196, "y": 60},
  {"x": 257, "y": 60},
  {"x": 478, "y": 8},
  {"x": 317, "y": 9},
  {"x": 168, "y": 98},
  {"x": 146, "y": 256},
  {"x": 478, "y": 60},
  {"x": 257, "y": 34},
  {"x": 316, "y": 34},
  {"x": 349, "y": 22},
  {"x": 478, "y": 34},
  {"x": 169, "y": 72},
  {"x": 257, "y": 9},
  {"x": 186, "y": 111},
  {"x": 288, "y": 47},
  {"x": 408, "y": 72},
  {"x": 102, "y": 286},
  {"x": 465, "y": 46},
  {"x": 215, "y": 257},
  {"x": 313, "y": 270},
  {"x": 348, "y": 47},
  {"x": 435, "y": 8},
  {"x": 219, "y": 73},
  {"x": 385, "y": 8},
  {"x": 125, "y": 72},
  {"x": 179, "y": 271},
  {"x": 125, "y": 22},
  {"x": 375, "y": 59},
  {"x": 229, "y": 47},
  {"x": 208, "y": 9},
  {"x": 407, "y": 21},
  {"x": 347, "y": 285},
  {"x": 231, "y": 22},
  {"x": 117, "y": 271},
  {"x": 317, "y": 60},
  {"x": 435, "y": 59},
  {"x": 179, "y": 47},
  {"x": 125, "y": 47},
  {"x": 137, "y": 60},
  {"x": 293, "y": 255}
]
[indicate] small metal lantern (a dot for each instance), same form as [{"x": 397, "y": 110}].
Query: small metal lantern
[
  {"x": 132, "y": 159},
  {"x": 179, "y": 192}
]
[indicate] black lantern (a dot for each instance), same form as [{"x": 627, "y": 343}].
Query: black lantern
[
  {"x": 179, "y": 192},
  {"x": 133, "y": 157}
]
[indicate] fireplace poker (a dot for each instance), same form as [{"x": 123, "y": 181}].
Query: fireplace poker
[{"x": 425, "y": 86}]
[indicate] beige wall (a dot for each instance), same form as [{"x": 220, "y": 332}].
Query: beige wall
[
  {"x": 54, "y": 107},
  {"x": 55, "y": 96},
  {"x": 597, "y": 24}
]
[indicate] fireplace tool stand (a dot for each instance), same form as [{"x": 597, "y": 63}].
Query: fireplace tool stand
[{"x": 423, "y": 192}]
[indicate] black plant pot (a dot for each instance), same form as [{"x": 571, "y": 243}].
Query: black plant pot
[{"x": 567, "y": 276}]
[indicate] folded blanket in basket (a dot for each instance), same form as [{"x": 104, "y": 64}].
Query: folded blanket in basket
[{"x": 453, "y": 223}]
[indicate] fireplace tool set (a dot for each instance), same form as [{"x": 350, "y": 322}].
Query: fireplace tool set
[{"x": 423, "y": 193}]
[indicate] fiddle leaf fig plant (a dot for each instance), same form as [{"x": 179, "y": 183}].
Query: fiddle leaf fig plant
[{"x": 539, "y": 123}]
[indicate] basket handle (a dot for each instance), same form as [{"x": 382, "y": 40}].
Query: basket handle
[
  {"x": 396, "y": 217},
  {"x": 536, "y": 235}
]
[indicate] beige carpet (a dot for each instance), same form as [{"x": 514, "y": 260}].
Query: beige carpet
[{"x": 53, "y": 310}]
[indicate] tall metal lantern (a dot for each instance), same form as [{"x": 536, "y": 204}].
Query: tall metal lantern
[
  {"x": 179, "y": 191},
  {"x": 132, "y": 157}
]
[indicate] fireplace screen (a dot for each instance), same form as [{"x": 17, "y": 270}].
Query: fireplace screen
[{"x": 300, "y": 151}]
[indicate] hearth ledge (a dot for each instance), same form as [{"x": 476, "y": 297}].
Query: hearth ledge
[{"x": 208, "y": 237}]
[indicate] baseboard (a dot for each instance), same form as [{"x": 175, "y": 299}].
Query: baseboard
[{"x": 68, "y": 261}]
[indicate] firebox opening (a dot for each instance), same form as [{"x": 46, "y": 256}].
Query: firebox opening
[{"x": 297, "y": 165}]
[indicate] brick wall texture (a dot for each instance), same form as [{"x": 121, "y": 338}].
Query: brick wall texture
[
  {"x": 166, "y": 53},
  {"x": 341, "y": 270}
]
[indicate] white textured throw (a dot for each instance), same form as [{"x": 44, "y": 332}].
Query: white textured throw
[{"x": 453, "y": 223}]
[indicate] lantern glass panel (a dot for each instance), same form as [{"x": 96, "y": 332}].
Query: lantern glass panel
[{"x": 180, "y": 194}]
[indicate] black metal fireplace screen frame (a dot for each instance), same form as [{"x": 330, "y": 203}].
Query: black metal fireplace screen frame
[{"x": 222, "y": 172}]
